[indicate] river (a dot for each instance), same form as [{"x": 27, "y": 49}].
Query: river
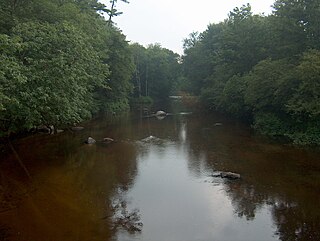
[{"x": 158, "y": 182}]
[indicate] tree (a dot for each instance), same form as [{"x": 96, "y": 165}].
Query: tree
[
  {"x": 11, "y": 77},
  {"x": 112, "y": 12},
  {"x": 59, "y": 70},
  {"x": 191, "y": 41},
  {"x": 140, "y": 59},
  {"x": 245, "y": 40},
  {"x": 162, "y": 71},
  {"x": 269, "y": 85},
  {"x": 199, "y": 55},
  {"x": 120, "y": 60},
  {"x": 296, "y": 25},
  {"x": 305, "y": 100}
]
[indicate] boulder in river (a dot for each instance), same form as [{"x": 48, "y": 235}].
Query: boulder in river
[
  {"x": 90, "y": 140},
  {"x": 46, "y": 129},
  {"x": 160, "y": 113},
  {"x": 107, "y": 140},
  {"x": 230, "y": 175}
]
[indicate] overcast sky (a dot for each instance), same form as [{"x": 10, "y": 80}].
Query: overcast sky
[{"x": 168, "y": 22}]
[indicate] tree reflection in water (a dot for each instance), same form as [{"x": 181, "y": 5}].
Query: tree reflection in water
[
  {"x": 245, "y": 200},
  {"x": 283, "y": 179}
]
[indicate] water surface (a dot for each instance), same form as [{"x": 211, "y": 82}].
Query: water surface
[{"x": 161, "y": 173}]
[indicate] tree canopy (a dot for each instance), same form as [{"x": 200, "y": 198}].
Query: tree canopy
[{"x": 61, "y": 62}]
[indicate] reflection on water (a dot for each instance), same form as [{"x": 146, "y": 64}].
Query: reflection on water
[{"x": 155, "y": 183}]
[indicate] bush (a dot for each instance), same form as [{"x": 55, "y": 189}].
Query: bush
[
  {"x": 306, "y": 134},
  {"x": 299, "y": 132},
  {"x": 268, "y": 123}
]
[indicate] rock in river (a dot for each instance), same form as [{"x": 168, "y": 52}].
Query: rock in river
[
  {"x": 230, "y": 175},
  {"x": 90, "y": 140},
  {"x": 107, "y": 140},
  {"x": 160, "y": 113}
]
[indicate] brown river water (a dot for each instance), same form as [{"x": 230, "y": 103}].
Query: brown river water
[{"x": 158, "y": 182}]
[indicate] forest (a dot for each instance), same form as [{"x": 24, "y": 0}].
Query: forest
[
  {"x": 65, "y": 61},
  {"x": 262, "y": 69}
]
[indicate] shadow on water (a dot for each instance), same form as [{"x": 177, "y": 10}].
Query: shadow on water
[
  {"x": 155, "y": 183},
  {"x": 68, "y": 196}
]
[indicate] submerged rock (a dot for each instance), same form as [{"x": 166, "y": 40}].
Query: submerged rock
[
  {"x": 90, "y": 140},
  {"x": 151, "y": 139},
  {"x": 77, "y": 128},
  {"x": 148, "y": 139},
  {"x": 107, "y": 140},
  {"x": 227, "y": 175},
  {"x": 185, "y": 113}
]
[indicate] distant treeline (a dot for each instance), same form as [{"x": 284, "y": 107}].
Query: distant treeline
[
  {"x": 61, "y": 62},
  {"x": 157, "y": 73},
  {"x": 265, "y": 69}
]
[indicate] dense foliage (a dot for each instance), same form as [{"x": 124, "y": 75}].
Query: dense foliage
[
  {"x": 60, "y": 62},
  {"x": 265, "y": 69}
]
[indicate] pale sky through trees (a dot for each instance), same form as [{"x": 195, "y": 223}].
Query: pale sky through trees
[{"x": 168, "y": 22}]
